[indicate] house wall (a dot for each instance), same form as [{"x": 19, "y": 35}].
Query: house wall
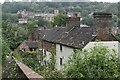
[
  {"x": 23, "y": 21},
  {"x": 48, "y": 46},
  {"x": 47, "y": 55},
  {"x": 119, "y": 50},
  {"x": 65, "y": 53},
  {"x": 24, "y": 46},
  {"x": 47, "y": 18},
  {"x": 110, "y": 44}
]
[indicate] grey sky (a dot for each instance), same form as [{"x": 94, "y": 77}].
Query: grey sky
[{"x": 1, "y": 1}]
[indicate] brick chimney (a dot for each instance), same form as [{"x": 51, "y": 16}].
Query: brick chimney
[
  {"x": 73, "y": 19},
  {"x": 102, "y": 25}
]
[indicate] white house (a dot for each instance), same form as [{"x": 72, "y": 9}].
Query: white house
[
  {"x": 62, "y": 54},
  {"x": 46, "y": 16},
  {"x": 23, "y": 21},
  {"x": 76, "y": 37},
  {"x": 112, "y": 45}
]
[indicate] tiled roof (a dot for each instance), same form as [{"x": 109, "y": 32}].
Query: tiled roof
[
  {"x": 76, "y": 37},
  {"x": 39, "y": 31},
  {"x": 53, "y": 34},
  {"x": 32, "y": 44}
]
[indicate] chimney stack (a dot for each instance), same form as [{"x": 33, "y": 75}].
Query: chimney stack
[
  {"x": 73, "y": 19},
  {"x": 102, "y": 24}
]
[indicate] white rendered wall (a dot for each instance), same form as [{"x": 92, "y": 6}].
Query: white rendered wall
[
  {"x": 110, "y": 44},
  {"x": 65, "y": 53}
]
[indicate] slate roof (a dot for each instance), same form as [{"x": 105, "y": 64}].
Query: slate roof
[
  {"x": 76, "y": 37},
  {"x": 42, "y": 32},
  {"x": 32, "y": 44},
  {"x": 39, "y": 31},
  {"x": 53, "y": 34}
]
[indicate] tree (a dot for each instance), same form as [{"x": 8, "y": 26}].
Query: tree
[
  {"x": 31, "y": 24},
  {"x": 99, "y": 62},
  {"x": 41, "y": 22},
  {"x": 115, "y": 20},
  {"x": 10, "y": 17},
  {"x": 13, "y": 35},
  {"x": 59, "y": 20},
  {"x": 88, "y": 21},
  {"x": 117, "y": 37},
  {"x": 34, "y": 6},
  {"x": 118, "y": 14}
]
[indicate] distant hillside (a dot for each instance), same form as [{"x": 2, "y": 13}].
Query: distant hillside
[{"x": 85, "y": 8}]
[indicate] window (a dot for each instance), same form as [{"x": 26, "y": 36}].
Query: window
[
  {"x": 61, "y": 61},
  {"x": 76, "y": 15},
  {"x": 44, "y": 52},
  {"x": 60, "y": 47},
  {"x": 31, "y": 49},
  {"x": 23, "y": 49}
]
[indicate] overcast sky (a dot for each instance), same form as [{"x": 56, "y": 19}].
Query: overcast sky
[{"x": 1, "y": 1}]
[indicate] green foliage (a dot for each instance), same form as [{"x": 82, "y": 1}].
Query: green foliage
[
  {"x": 17, "y": 56},
  {"x": 87, "y": 20},
  {"x": 118, "y": 14},
  {"x": 115, "y": 20},
  {"x": 77, "y": 67},
  {"x": 59, "y": 20},
  {"x": 31, "y": 25},
  {"x": 11, "y": 70},
  {"x": 44, "y": 67},
  {"x": 56, "y": 75},
  {"x": 34, "y": 6},
  {"x": 10, "y": 17},
  {"x": 12, "y": 34},
  {"x": 30, "y": 52},
  {"x": 99, "y": 62},
  {"x": 5, "y": 51},
  {"x": 41, "y": 22},
  {"x": 117, "y": 36},
  {"x": 15, "y": 6},
  {"x": 83, "y": 7}
]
